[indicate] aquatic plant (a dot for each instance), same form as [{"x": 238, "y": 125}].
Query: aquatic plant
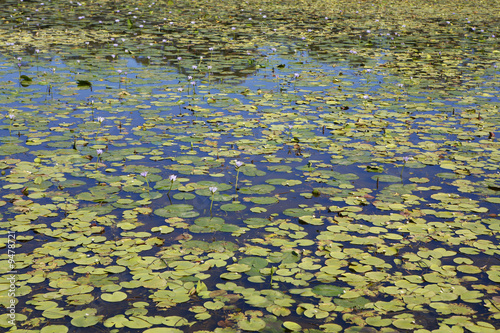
[
  {"x": 172, "y": 179},
  {"x": 212, "y": 190},
  {"x": 319, "y": 216},
  {"x": 100, "y": 120},
  {"x": 99, "y": 153},
  {"x": 405, "y": 160},
  {"x": 12, "y": 117},
  {"x": 145, "y": 175}
]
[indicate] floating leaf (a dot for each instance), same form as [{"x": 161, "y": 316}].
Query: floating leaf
[
  {"x": 327, "y": 290},
  {"x": 83, "y": 83},
  {"x": 234, "y": 207},
  {"x": 311, "y": 220},
  {"x": 386, "y": 178},
  {"x": 117, "y": 296},
  {"x": 54, "y": 329},
  {"x": 378, "y": 321},
  {"x": 290, "y": 325},
  {"x": 252, "y": 325},
  {"x": 85, "y": 321},
  {"x": 176, "y": 210}
]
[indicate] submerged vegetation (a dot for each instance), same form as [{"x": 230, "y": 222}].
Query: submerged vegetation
[{"x": 226, "y": 166}]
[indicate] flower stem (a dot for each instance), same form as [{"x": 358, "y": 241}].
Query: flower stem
[{"x": 211, "y": 204}]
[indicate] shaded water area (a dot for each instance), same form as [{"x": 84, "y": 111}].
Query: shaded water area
[{"x": 217, "y": 166}]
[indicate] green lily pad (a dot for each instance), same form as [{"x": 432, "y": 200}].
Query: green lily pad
[
  {"x": 366, "y": 195},
  {"x": 290, "y": 325},
  {"x": 311, "y": 220},
  {"x": 85, "y": 321},
  {"x": 257, "y": 222},
  {"x": 234, "y": 207},
  {"x": 297, "y": 212},
  {"x": 117, "y": 296},
  {"x": 378, "y": 321},
  {"x": 176, "y": 210},
  {"x": 163, "y": 330},
  {"x": 252, "y": 325}
]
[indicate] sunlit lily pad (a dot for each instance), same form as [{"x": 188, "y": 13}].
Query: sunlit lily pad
[
  {"x": 232, "y": 207},
  {"x": 297, "y": 212},
  {"x": 176, "y": 210},
  {"x": 85, "y": 321},
  {"x": 290, "y": 325},
  {"x": 163, "y": 330},
  {"x": 257, "y": 166},
  {"x": 230, "y": 276},
  {"x": 54, "y": 329},
  {"x": 117, "y": 296},
  {"x": 311, "y": 220},
  {"x": 327, "y": 290},
  {"x": 252, "y": 325}
]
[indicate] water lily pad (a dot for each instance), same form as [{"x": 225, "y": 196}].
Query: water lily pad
[
  {"x": 297, "y": 212},
  {"x": 163, "y": 330},
  {"x": 117, "y": 120},
  {"x": 311, "y": 220},
  {"x": 117, "y": 296},
  {"x": 209, "y": 221},
  {"x": 386, "y": 178},
  {"x": 184, "y": 196},
  {"x": 257, "y": 222},
  {"x": 264, "y": 200}
]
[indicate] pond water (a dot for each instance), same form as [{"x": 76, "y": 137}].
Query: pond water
[{"x": 224, "y": 166}]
